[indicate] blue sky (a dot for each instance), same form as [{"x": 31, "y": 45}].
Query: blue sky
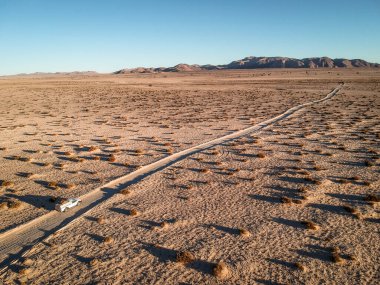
[{"x": 68, "y": 35}]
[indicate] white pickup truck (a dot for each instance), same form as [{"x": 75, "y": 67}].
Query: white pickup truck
[{"x": 65, "y": 204}]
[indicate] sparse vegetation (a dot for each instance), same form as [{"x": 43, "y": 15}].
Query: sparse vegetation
[
  {"x": 310, "y": 225},
  {"x": 221, "y": 270},
  {"x": 185, "y": 257}
]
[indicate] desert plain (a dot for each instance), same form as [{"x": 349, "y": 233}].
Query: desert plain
[{"x": 294, "y": 202}]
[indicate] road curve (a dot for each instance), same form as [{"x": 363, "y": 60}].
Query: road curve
[{"x": 15, "y": 242}]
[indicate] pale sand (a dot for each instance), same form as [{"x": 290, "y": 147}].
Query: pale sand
[{"x": 204, "y": 219}]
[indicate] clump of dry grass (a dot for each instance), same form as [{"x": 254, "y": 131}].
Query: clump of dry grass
[
  {"x": 96, "y": 158},
  {"x": 28, "y": 262},
  {"x": 70, "y": 186},
  {"x": 125, "y": 192},
  {"x": 108, "y": 239},
  {"x": 366, "y": 183},
  {"x": 372, "y": 198},
  {"x": 286, "y": 200},
  {"x": 205, "y": 170},
  {"x": 369, "y": 163},
  {"x": 111, "y": 158},
  {"x": 3, "y": 205},
  {"x": 244, "y": 232},
  {"x": 310, "y": 225},
  {"x": 139, "y": 151},
  {"x": 94, "y": 262},
  {"x": 300, "y": 266},
  {"x": 336, "y": 258},
  {"x": 7, "y": 183},
  {"x": 350, "y": 209},
  {"x": 92, "y": 148},
  {"x": 221, "y": 270},
  {"x": 25, "y": 271},
  {"x": 53, "y": 199},
  {"x": 317, "y": 168},
  {"x": 12, "y": 204},
  {"x": 53, "y": 184},
  {"x": 261, "y": 155},
  {"x": 134, "y": 212},
  {"x": 100, "y": 220},
  {"x": 164, "y": 225},
  {"x": 185, "y": 257}
]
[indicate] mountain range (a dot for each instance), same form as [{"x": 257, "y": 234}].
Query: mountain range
[{"x": 253, "y": 62}]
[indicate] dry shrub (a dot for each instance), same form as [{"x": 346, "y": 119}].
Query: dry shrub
[
  {"x": 14, "y": 204},
  {"x": 244, "y": 232},
  {"x": 205, "y": 170},
  {"x": 286, "y": 200},
  {"x": 185, "y": 257},
  {"x": 53, "y": 184},
  {"x": 125, "y": 192},
  {"x": 164, "y": 225},
  {"x": 3, "y": 205},
  {"x": 350, "y": 209},
  {"x": 108, "y": 239},
  {"x": 26, "y": 271},
  {"x": 92, "y": 148},
  {"x": 369, "y": 163},
  {"x": 310, "y": 225},
  {"x": 261, "y": 155},
  {"x": 53, "y": 199},
  {"x": 372, "y": 198},
  {"x": 100, "y": 220},
  {"x": 111, "y": 158},
  {"x": 134, "y": 212},
  {"x": 300, "y": 266},
  {"x": 336, "y": 258},
  {"x": 221, "y": 270},
  {"x": 70, "y": 186},
  {"x": 7, "y": 183},
  {"x": 94, "y": 262},
  {"x": 28, "y": 262}
]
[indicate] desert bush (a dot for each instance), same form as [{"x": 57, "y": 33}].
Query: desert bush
[
  {"x": 14, "y": 204},
  {"x": 261, "y": 155},
  {"x": 310, "y": 225},
  {"x": 350, "y": 209},
  {"x": 300, "y": 266},
  {"x": 221, "y": 270},
  {"x": 7, "y": 183},
  {"x": 185, "y": 257},
  {"x": 100, "y": 220},
  {"x": 125, "y": 192},
  {"x": 244, "y": 232},
  {"x": 53, "y": 184},
  {"x": 108, "y": 239},
  {"x": 372, "y": 198},
  {"x": 286, "y": 200}
]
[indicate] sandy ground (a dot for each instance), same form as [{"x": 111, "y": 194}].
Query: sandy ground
[{"x": 319, "y": 165}]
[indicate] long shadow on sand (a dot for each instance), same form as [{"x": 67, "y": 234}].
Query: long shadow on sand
[{"x": 169, "y": 255}]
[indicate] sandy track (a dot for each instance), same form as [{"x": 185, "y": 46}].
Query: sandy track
[{"x": 17, "y": 241}]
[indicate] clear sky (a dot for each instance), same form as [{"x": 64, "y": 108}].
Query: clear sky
[{"x": 68, "y": 35}]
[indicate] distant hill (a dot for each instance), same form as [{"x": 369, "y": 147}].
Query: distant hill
[{"x": 253, "y": 62}]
